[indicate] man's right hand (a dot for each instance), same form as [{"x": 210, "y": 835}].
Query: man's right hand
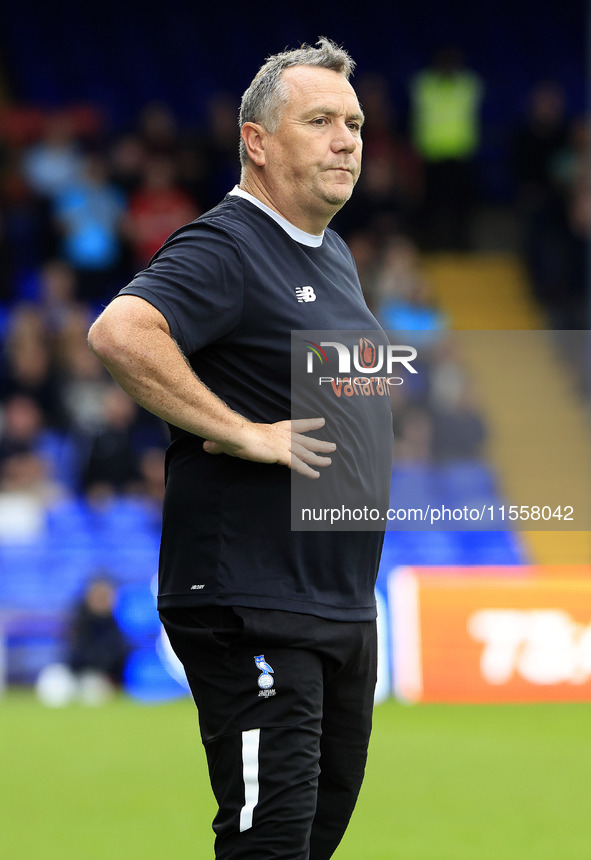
[{"x": 284, "y": 443}]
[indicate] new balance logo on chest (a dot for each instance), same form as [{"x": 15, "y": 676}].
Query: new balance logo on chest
[{"x": 305, "y": 294}]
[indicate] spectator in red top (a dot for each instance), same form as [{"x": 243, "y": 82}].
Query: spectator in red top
[{"x": 156, "y": 209}]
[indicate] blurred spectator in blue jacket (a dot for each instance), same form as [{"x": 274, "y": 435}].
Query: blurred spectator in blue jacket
[
  {"x": 54, "y": 163},
  {"x": 88, "y": 213},
  {"x": 404, "y": 297}
]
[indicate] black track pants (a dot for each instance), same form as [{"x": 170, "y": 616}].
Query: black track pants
[{"x": 285, "y": 705}]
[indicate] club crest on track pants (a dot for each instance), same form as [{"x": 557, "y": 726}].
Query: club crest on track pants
[{"x": 285, "y": 705}]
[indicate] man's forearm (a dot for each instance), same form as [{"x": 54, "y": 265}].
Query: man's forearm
[
  {"x": 133, "y": 344},
  {"x": 132, "y": 340}
]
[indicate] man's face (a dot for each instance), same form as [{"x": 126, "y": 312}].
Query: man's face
[{"x": 313, "y": 159}]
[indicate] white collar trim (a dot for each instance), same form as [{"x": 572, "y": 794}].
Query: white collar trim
[{"x": 299, "y": 235}]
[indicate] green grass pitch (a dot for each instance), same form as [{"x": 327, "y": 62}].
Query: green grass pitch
[{"x": 443, "y": 783}]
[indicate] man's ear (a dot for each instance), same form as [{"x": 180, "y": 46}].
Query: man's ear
[{"x": 254, "y": 136}]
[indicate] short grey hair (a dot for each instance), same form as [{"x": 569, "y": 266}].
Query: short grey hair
[{"x": 267, "y": 95}]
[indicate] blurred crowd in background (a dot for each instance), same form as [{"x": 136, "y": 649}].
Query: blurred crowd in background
[
  {"x": 82, "y": 208},
  {"x": 84, "y": 205}
]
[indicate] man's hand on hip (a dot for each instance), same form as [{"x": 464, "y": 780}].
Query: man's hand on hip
[{"x": 284, "y": 443}]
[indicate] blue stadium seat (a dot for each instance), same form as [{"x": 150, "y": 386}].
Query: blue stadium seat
[
  {"x": 466, "y": 478},
  {"x": 68, "y": 517},
  {"x": 491, "y": 547},
  {"x": 136, "y": 613},
  {"x": 413, "y": 485}
]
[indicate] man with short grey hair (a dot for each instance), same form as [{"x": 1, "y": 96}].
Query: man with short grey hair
[
  {"x": 268, "y": 94},
  {"x": 275, "y": 628}
]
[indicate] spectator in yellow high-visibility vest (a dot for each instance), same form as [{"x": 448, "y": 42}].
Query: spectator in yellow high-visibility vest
[{"x": 445, "y": 105}]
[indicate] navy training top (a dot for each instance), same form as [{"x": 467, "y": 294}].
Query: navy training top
[{"x": 230, "y": 287}]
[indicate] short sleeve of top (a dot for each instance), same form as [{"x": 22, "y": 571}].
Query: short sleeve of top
[{"x": 196, "y": 281}]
